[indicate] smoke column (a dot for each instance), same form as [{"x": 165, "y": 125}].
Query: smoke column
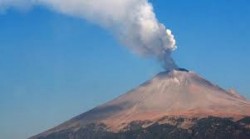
[{"x": 133, "y": 22}]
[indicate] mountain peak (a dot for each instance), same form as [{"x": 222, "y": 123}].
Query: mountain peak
[
  {"x": 182, "y": 77},
  {"x": 175, "y": 93},
  {"x": 178, "y": 92},
  {"x": 176, "y": 70}
]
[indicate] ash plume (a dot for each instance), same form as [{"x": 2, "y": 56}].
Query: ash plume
[{"x": 133, "y": 22}]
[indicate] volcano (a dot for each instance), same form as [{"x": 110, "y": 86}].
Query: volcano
[{"x": 176, "y": 104}]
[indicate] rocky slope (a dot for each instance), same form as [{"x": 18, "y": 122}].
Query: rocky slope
[{"x": 174, "y": 104}]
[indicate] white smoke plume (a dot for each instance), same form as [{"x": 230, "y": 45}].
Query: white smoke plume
[{"x": 133, "y": 22}]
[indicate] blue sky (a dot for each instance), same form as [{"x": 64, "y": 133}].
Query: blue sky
[{"x": 54, "y": 67}]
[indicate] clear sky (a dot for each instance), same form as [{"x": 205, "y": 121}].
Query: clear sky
[{"x": 54, "y": 67}]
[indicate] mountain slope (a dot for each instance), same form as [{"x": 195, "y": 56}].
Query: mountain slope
[{"x": 163, "y": 100}]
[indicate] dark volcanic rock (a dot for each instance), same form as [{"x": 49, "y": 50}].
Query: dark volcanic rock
[
  {"x": 206, "y": 128},
  {"x": 219, "y": 128}
]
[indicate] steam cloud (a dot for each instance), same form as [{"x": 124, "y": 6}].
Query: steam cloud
[{"x": 133, "y": 22}]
